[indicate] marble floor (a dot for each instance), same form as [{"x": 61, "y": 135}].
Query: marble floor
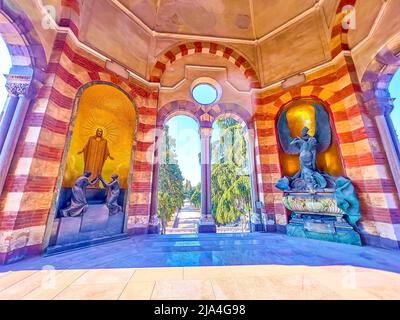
[
  {"x": 202, "y": 283},
  {"x": 218, "y": 266}
]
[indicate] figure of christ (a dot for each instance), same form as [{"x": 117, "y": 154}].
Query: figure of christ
[
  {"x": 95, "y": 154},
  {"x": 79, "y": 203},
  {"x": 113, "y": 192}
]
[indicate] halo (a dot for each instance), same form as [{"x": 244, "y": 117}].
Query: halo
[{"x": 92, "y": 124}]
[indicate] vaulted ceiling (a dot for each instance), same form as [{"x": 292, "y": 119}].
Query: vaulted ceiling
[
  {"x": 278, "y": 37},
  {"x": 244, "y": 19}
]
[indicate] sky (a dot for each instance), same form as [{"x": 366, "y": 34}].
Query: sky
[
  {"x": 394, "y": 90},
  {"x": 185, "y": 131},
  {"x": 5, "y": 65}
]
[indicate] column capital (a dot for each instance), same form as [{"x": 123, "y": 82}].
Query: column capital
[
  {"x": 380, "y": 107},
  {"x": 18, "y": 85}
]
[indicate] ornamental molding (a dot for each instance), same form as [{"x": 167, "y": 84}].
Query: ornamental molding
[{"x": 18, "y": 85}]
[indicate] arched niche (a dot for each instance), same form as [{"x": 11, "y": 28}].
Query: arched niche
[
  {"x": 105, "y": 106},
  {"x": 300, "y": 114}
]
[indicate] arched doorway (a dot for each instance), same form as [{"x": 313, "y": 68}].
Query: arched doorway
[
  {"x": 179, "y": 181},
  {"x": 95, "y": 182},
  {"x": 230, "y": 175}
]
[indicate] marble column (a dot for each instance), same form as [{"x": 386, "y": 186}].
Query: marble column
[
  {"x": 9, "y": 109},
  {"x": 256, "y": 219},
  {"x": 207, "y": 223},
  {"x": 381, "y": 109},
  {"x": 154, "y": 222},
  {"x": 13, "y": 134}
]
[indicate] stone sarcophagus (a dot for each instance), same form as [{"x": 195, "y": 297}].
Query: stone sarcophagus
[{"x": 318, "y": 216}]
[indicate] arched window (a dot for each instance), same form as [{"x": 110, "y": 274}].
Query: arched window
[
  {"x": 5, "y": 66},
  {"x": 394, "y": 90}
]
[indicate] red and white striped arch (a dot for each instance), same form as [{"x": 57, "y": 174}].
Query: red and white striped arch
[{"x": 199, "y": 47}]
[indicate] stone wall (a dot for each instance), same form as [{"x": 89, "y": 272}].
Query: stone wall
[{"x": 31, "y": 186}]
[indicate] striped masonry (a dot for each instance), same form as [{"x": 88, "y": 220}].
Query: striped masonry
[
  {"x": 172, "y": 55},
  {"x": 363, "y": 156},
  {"x": 33, "y": 179}
]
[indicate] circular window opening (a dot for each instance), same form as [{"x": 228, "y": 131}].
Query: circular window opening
[{"x": 206, "y": 91}]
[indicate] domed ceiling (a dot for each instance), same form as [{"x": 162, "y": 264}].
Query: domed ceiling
[
  {"x": 279, "y": 38},
  {"x": 246, "y": 19}
]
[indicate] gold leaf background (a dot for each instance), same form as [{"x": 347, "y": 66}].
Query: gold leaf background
[{"x": 105, "y": 107}]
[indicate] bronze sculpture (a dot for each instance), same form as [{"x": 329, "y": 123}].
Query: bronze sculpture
[
  {"x": 309, "y": 177},
  {"x": 79, "y": 203},
  {"x": 96, "y": 153},
  {"x": 113, "y": 192}
]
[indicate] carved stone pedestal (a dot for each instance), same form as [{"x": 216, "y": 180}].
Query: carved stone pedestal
[
  {"x": 256, "y": 224},
  {"x": 94, "y": 226},
  {"x": 154, "y": 225},
  {"x": 207, "y": 225},
  {"x": 314, "y": 226},
  {"x": 317, "y": 216}
]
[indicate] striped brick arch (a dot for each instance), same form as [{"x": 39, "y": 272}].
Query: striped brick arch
[
  {"x": 205, "y": 116},
  {"x": 21, "y": 39},
  {"x": 339, "y": 35},
  {"x": 379, "y": 73},
  {"x": 375, "y": 85},
  {"x": 172, "y": 55}
]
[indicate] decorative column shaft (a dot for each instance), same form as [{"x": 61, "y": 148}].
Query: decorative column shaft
[
  {"x": 12, "y": 137},
  {"x": 381, "y": 111},
  {"x": 13, "y": 119},
  {"x": 252, "y": 166},
  {"x": 256, "y": 218},
  {"x": 207, "y": 223},
  {"x": 154, "y": 222},
  {"x": 9, "y": 109}
]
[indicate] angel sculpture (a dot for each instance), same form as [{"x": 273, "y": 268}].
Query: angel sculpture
[{"x": 309, "y": 177}]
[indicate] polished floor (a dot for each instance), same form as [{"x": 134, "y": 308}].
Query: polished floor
[
  {"x": 203, "y": 283},
  {"x": 209, "y": 266},
  {"x": 151, "y": 251}
]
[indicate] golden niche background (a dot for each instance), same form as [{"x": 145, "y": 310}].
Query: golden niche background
[
  {"x": 105, "y": 107},
  {"x": 301, "y": 114}
]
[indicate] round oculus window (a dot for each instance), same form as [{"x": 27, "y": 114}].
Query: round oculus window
[{"x": 205, "y": 93}]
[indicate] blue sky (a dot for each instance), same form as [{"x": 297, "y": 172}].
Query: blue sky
[
  {"x": 185, "y": 131},
  {"x": 5, "y": 65},
  {"x": 394, "y": 90}
]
